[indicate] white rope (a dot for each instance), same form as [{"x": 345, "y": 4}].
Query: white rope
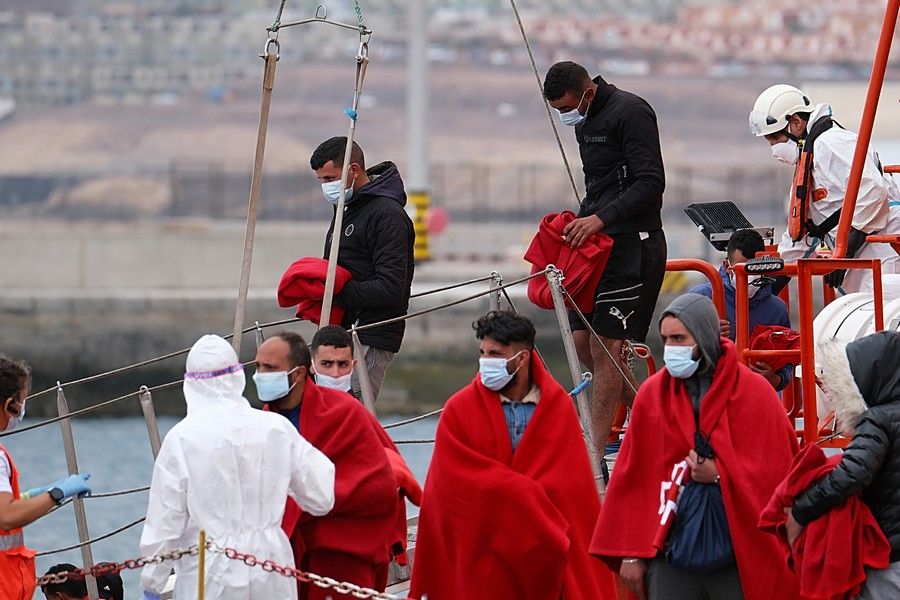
[
  {"x": 362, "y": 62},
  {"x": 537, "y": 77}
]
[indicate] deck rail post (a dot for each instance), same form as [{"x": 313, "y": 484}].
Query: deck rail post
[{"x": 84, "y": 536}]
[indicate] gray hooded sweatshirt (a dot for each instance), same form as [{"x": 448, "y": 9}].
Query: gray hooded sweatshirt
[{"x": 702, "y": 321}]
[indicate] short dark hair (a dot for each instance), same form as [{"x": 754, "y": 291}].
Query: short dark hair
[
  {"x": 748, "y": 241},
  {"x": 298, "y": 351},
  {"x": 76, "y": 588},
  {"x": 563, "y": 77},
  {"x": 14, "y": 376},
  {"x": 333, "y": 149},
  {"x": 506, "y": 327},
  {"x": 109, "y": 584},
  {"x": 332, "y": 335}
]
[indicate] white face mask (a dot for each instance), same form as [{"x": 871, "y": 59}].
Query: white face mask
[
  {"x": 573, "y": 117},
  {"x": 332, "y": 191},
  {"x": 15, "y": 421},
  {"x": 787, "y": 152},
  {"x": 341, "y": 383},
  {"x": 751, "y": 289}
]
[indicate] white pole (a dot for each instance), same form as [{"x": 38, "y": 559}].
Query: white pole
[{"x": 417, "y": 95}]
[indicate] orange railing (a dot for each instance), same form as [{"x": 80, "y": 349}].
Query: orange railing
[
  {"x": 876, "y": 82},
  {"x": 803, "y": 270}
]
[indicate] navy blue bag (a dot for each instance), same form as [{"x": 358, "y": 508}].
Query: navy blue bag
[{"x": 700, "y": 541}]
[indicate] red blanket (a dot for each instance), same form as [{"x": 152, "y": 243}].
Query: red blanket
[
  {"x": 582, "y": 266},
  {"x": 363, "y": 522},
  {"x": 754, "y": 444},
  {"x": 500, "y": 525},
  {"x": 831, "y": 554},
  {"x": 774, "y": 337},
  {"x": 303, "y": 286}
]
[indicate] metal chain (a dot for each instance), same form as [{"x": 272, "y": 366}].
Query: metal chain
[
  {"x": 270, "y": 566},
  {"x": 537, "y": 77},
  {"x": 113, "y": 567}
]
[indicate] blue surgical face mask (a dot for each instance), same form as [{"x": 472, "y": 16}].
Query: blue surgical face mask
[
  {"x": 332, "y": 191},
  {"x": 341, "y": 383},
  {"x": 573, "y": 117},
  {"x": 494, "y": 374},
  {"x": 273, "y": 385},
  {"x": 680, "y": 361}
]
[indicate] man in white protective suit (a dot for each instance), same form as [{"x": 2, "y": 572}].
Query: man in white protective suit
[
  {"x": 227, "y": 468},
  {"x": 805, "y": 136}
]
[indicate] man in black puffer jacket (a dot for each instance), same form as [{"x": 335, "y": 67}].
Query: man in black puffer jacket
[
  {"x": 618, "y": 139},
  {"x": 376, "y": 246},
  {"x": 861, "y": 381}
]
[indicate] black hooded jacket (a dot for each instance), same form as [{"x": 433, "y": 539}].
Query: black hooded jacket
[
  {"x": 623, "y": 168},
  {"x": 377, "y": 248},
  {"x": 871, "y": 463}
]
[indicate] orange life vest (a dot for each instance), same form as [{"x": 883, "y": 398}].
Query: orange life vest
[
  {"x": 17, "y": 578},
  {"x": 802, "y": 186}
]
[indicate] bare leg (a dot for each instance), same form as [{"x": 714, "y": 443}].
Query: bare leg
[
  {"x": 607, "y": 388},
  {"x": 582, "y": 339}
]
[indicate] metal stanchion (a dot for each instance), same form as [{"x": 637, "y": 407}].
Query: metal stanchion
[
  {"x": 80, "y": 515},
  {"x": 554, "y": 278},
  {"x": 150, "y": 418},
  {"x": 362, "y": 372}
]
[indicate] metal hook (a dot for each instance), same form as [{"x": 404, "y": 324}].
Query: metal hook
[
  {"x": 363, "y": 53},
  {"x": 324, "y": 11},
  {"x": 271, "y": 41}
]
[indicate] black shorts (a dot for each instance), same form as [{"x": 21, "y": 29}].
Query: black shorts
[{"x": 626, "y": 295}]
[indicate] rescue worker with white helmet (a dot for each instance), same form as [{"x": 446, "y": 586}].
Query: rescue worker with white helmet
[
  {"x": 805, "y": 135},
  {"x": 227, "y": 468}
]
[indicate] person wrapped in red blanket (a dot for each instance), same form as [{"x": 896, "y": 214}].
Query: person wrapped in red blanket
[
  {"x": 510, "y": 499},
  {"x": 582, "y": 266},
  {"x": 861, "y": 385},
  {"x": 831, "y": 555},
  {"x": 753, "y": 444},
  {"x": 353, "y": 541},
  {"x": 303, "y": 285}
]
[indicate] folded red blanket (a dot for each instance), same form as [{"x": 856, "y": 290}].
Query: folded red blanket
[
  {"x": 582, "y": 266},
  {"x": 303, "y": 286}
]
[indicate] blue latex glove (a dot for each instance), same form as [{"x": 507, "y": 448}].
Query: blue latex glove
[
  {"x": 35, "y": 492},
  {"x": 150, "y": 595},
  {"x": 73, "y": 485}
]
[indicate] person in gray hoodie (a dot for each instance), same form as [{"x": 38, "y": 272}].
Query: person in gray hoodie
[{"x": 709, "y": 411}]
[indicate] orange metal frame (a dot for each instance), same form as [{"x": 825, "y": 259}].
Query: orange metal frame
[
  {"x": 804, "y": 270},
  {"x": 876, "y": 82},
  {"x": 694, "y": 264}
]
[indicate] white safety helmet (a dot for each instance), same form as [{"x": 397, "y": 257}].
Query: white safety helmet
[{"x": 774, "y": 107}]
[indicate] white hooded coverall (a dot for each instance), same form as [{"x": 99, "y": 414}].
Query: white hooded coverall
[
  {"x": 228, "y": 468},
  {"x": 832, "y": 156}
]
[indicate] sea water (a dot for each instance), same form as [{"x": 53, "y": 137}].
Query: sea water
[{"x": 116, "y": 451}]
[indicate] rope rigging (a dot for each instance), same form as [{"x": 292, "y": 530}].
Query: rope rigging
[{"x": 537, "y": 76}]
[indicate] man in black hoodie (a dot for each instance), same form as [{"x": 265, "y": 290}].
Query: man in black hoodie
[
  {"x": 618, "y": 140},
  {"x": 376, "y": 246}
]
